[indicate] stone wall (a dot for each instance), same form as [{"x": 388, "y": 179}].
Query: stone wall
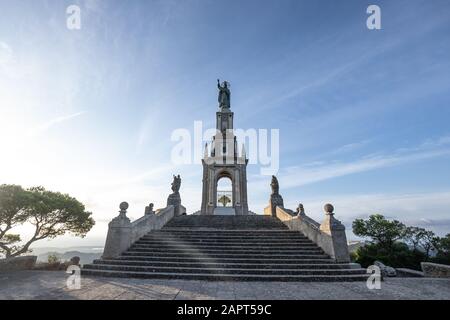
[
  {"x": 156, "y": 221},
  {"x": 18, "y": 263},
  {"x": 122, "y": 233},
  {"x": 435, "y": 270}
]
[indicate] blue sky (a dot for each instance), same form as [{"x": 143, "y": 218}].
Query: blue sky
[{"x": 363, "y": 115}]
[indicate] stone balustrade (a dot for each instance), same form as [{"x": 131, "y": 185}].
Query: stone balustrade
[
  {"x": 122, "y": 233},
  {"x": 328, "y": 235}
]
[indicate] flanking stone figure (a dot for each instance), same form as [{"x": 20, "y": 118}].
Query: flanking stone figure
[
  {"x": 149, "y": 209},
  {"x": 300, "y": 210},
  {"x": 175, "y": 199},
  {"x": 275, "y": 198},
  {"x": 328, "y": 235}
]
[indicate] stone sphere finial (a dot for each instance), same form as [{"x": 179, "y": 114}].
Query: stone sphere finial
[
  {"x": 123, "y": 206},
  {"x": 328, "y": 208}
]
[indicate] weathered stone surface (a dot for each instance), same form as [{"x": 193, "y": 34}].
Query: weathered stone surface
[
  {"x": 354, "y": 265},
  {"x": 435, "y": 270},
  {"x": 18, "y": 263},
  {"x": 386, "y": 271},
  {"x": 52, "y": 285},
  {"x": 405, "y": 272}
]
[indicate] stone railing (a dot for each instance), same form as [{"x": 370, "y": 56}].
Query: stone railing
[
  {"x": 122, "y": 233},
  {"x": 329, "y": 235}
]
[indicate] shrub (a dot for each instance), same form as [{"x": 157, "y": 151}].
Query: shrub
[
  {"x": 53, "y": 259},
  {"x": 398, "y": 256}
]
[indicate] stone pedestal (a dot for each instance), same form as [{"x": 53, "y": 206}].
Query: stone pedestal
[
  {"x": 275, "y": 201},
  {"x": 119, "y": 235},
  {"x": 336, "y": 230},
  {"x": 175, "y": 200}
]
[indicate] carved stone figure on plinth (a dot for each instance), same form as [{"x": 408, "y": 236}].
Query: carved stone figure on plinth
[
  {"x": 300, "y": 210},
  {"x": 224, "y": 94},
  {"x": 174, "y": 199},
  {"x": 275, "y": 198}
]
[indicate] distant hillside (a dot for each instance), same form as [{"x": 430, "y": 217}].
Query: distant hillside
[
  {"x": 87, "y": 249},
  {"x": 85, "y": 257}
]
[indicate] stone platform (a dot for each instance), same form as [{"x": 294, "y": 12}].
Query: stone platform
[
  {"x": 226, "y": 248},
  {"x": 51, "y": 285}
]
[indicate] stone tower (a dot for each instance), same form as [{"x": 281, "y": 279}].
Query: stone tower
[{"x": 221, "y": 160}]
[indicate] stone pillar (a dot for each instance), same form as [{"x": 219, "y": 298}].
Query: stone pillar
[
  {"x": 175, "y": 200},
  {"x": 118, "y": 239},
  {"x": 336, "y": 230},
  {"x": 275, "y": 201}
]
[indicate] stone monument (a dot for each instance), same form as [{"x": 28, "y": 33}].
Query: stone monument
[
  {"x": 174, "y": 199},
  {"x": 223, "y": 161},
  {"x": 275, "y": 198}
]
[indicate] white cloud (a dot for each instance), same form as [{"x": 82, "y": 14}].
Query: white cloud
[
  {"x": 296, "y": 176},
  {"x": 50, "y": 123}
]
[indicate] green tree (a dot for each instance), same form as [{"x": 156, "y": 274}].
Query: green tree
[
  {"x": 380, "y": 230},
  {"x": 397, "y": 256},
  {"x": 442, "y": 246},
  {"x": 51, "y": 213},
  {"x": 13, "y": 211},
  {"x": 53, "y": 258},
  {"x": 413, "y": 236},
  {"x": 420, "y": 238}
]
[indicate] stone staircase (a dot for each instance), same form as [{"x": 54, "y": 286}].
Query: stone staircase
[{"x": 238, "y": 248}]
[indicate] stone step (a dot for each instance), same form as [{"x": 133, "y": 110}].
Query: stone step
[
  {"x": 206, "y": 250},
  {"x": 280, "y": 265},
  {"x": 222, "y": 277},
  {"x": 226, "y": 243},
  {"x": 226, "y": 248},
  {"x": 228, "y": 255},
  {"x": 226, "y": 232},
  {"x": 203, "y": 259},
  {"x": 212, "y": 236},
  {"x": 227, "y": 222},
  {"x": 209, "y": 248},
  {"x": 221, "y": 271}
]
